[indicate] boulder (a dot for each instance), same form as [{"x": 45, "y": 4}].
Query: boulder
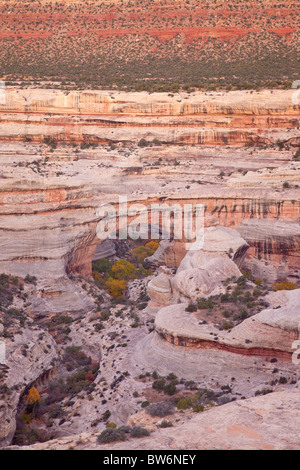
[
  {"x": 159, "y": 289},
  {"x": 202, "y": 271}
]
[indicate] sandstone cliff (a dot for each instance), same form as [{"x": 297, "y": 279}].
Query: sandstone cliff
[
  {"x": 263, "y": 423},
  {"x": 232, "y": 118}
]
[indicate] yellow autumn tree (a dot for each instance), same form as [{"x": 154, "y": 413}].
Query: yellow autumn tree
[
  {"x": 116, "y": 287},
  {"x": 33, "y": 398},
  {"x": 285, "y": 285},
  {"x": 140, "y": 253},
  {"x": 152, "y": 247},
  {"x": 123, "y": 270},
  {"x": 98, "y": 278}
]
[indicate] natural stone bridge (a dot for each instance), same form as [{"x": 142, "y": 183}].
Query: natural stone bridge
[
  {"x": 58, "y": 225},
  {"x": 49, "y": 199}
]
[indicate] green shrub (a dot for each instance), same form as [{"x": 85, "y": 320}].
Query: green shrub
[
  {"x": 103, "y": 265},
  {"x": 143, "y": 143},
  {"x": 111, "y": 425},
  {"x": 264, "y": 391},
  {"x": 203, "y": 397},
  {"x": 76, "y": 382},
  {"x": 184, "y": 403},
  {"x": 160, "y": 409},
  {"x": 297, "y": 155},
  {"x": 62, "y": 320},
  {"x": 228, "y": 325},
  {"x": 191, "y": 308},
  {"x": 170, "y": 388},
  {"x": 283, "y": 380},
  {"x": 203, "y": 303},
  {"x": 56, "y": 411},
  {"x": 198, "y": 408},
  {"x": 165, "y": 424},
  {"x": 125, "y": 429},
  {"x": 105, "y": 315},
  {"x": 30, "y": 279},
  {"x": 171, "y": 376},
  {"x": 106, "y": 415},
  {"x": 111, "y": 435},
  {"x": 99, "y": 327},
  {"x": 226, "y": 388},
  {"x": 226, "y": 314},
  {"x": 138, "y": 431},
  {"x": 51, "y": 142},
  {"x": 73, "y": 358},
  {"x": 159, "y": 384}
]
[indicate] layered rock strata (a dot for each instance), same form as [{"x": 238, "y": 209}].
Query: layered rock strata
[
  {"x": 22, "y": 370},
  {"x": 49, "y": 199},
  {"x": 232, "y": 118},
  {"x": 274, "y": 252},
  {"x": 270, "y": 333}
]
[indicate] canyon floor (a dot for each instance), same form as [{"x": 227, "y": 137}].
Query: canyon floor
[{"x": 201, "y": 351}]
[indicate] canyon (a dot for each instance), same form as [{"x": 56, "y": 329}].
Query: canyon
[
  {"x": 114, "y": 117},
  {"x": 65, "y": 186},
  {"x": 256, "y": 424}
]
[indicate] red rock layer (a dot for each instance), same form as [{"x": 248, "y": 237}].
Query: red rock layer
[{"x": 204, "y": 344}]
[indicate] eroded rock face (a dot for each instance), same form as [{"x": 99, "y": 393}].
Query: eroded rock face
[
  {"x": 159, "y": 289},
  {"x": 202, "y": 271},
  {"x": 210, "y": 119},
  {"x": 169, "y": 253},
  {"x": 106, "y": 249},
  {"x": 270, "y": 333},
  {"x": 264, "y": 423},
  {"x": 274, "y": 251},
  {"x": 268, "y": 177},
  {"x": 204, "y": 280},
  {"x": 217, "y": 241},
  {"x": 48, "y": 223},
  {"x": 23, "y": 370},
  {"x": 49, "y": 200}
]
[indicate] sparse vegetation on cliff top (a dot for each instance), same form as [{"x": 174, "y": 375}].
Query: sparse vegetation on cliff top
[{"x": 176, "y": 45}]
